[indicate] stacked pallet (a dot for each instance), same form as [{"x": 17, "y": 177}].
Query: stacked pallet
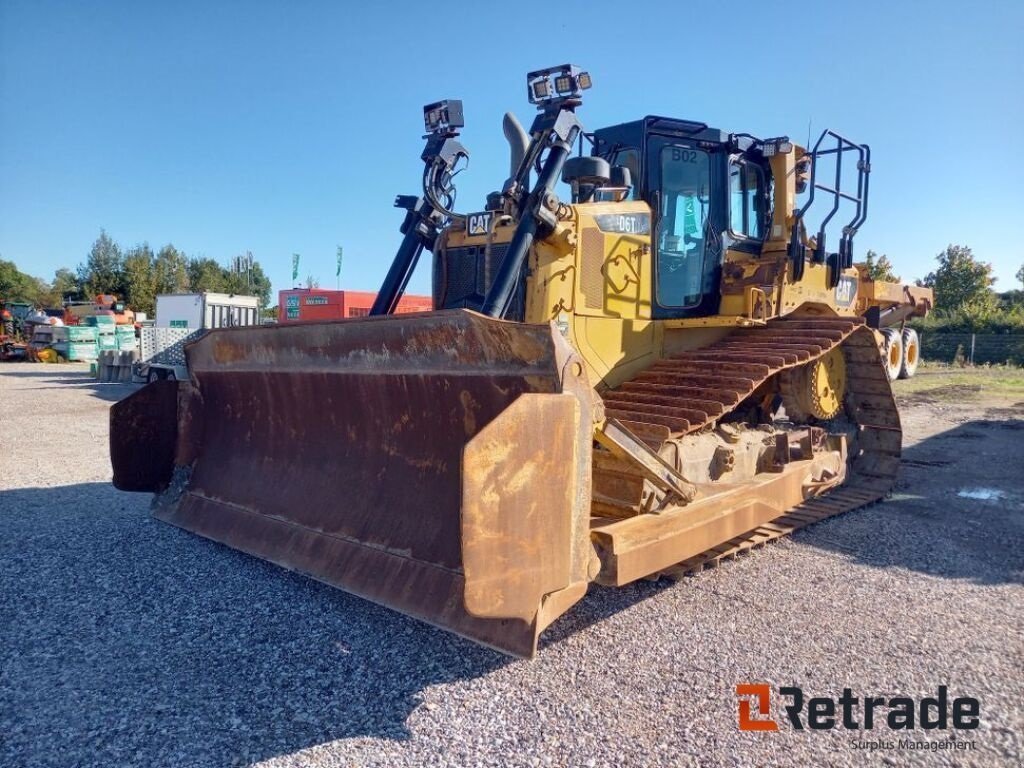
[
  {"x": 125, "y": 337},
  {"x": 105, "y": 326},
  {"x": 74, "y": 342}
]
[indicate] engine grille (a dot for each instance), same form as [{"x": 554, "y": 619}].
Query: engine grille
[{"x": 462, "y": 277}]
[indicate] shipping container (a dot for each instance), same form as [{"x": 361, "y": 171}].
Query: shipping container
[
  {"x": 305, "y": 304},
  {"x": 206, "y": 310}
]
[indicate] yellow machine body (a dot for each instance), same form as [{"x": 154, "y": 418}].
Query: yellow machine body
[{"x": 596, "y": 286}]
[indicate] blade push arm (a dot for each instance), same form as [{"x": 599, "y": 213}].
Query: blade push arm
[
  {"x": 554, "y": 129},
  {"x": 427, "y": 215}
]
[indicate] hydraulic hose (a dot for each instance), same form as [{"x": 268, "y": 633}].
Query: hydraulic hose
[{"x": 499, "y": 297}]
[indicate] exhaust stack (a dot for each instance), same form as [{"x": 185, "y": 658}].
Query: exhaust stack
[{"x": 518, "y": 142}]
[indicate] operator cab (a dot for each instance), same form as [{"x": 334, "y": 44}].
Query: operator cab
[{"x": 709, "y": 190}]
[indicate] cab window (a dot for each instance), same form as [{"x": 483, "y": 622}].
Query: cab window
[
  {"x": 683, "y": 225},
  {"x": 747, "y": 214}
]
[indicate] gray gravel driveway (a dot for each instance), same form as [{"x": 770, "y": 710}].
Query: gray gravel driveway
[{"x": 124, "y": 641}]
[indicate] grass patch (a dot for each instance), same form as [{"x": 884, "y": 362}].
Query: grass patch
[{"x": 949, "y": 384}]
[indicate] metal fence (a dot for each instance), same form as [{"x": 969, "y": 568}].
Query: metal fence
[{"x": 973, "y": 348}]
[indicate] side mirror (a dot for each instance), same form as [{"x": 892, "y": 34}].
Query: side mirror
[
  {"x": 621, "y": 177},
  {"x": 594, "y": 171},
  {"x": 584, "y": 175}
]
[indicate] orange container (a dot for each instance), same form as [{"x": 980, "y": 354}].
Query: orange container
[{"x": 297, "y": 305}]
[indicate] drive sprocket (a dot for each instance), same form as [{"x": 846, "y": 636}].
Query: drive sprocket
[{"x": 815, "y": 390}]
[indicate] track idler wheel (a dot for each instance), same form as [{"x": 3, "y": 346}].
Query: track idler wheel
[{"x": 815, "y": 390}]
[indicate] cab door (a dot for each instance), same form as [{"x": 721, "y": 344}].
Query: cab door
[{"x": 683, "y": 187}]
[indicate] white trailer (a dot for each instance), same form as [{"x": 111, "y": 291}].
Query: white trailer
[
  {"x": 206, "y": 310},
  {"x": 182, "y": 317},
  {"x": 162, "y": 353}
]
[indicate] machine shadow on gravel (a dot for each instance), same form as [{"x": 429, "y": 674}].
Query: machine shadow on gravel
[
  {"x": 111, "y": 392},
  {"x": 128, "y": 641},
  {"x": 957, "y": 510}
]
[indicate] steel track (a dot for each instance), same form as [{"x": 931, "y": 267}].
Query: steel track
[{"x": 695, "y": 390}]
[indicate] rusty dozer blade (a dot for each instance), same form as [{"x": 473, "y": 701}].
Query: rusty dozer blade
[{"x": 438, "y": 463}]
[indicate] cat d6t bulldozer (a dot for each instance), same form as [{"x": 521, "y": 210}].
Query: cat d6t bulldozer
[{"x": 641, "y": 360}]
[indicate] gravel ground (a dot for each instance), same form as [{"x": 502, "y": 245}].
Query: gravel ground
[{"x": 129, "y": 642}]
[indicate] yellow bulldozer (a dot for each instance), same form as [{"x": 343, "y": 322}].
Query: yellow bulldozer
[{"x": 662, "y": 369}]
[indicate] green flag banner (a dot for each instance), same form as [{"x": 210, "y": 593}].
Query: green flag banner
[
  {"x": 295, "y": 267},
  {"x": 338, "y": 273}
]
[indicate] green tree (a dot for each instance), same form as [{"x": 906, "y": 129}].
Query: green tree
[
  {"x": 48, "y": 295},
  {"x": 207, "y": 275},
  {"x": 140, "y": 279},
  {"x": 1010, "y": 299},
  {"x": 961, "y": 280},
  {"x": 880, "y": 268},
  {"x": 250, "y": 282},
  {"x": 1020, "y": 275},
  {"x": 170, "y": 271},
  {"x": 65, "y": 285},
  {"x": 260, "y": 284},
  {"x": 42, "y": 293},
  {"x": 312, "y": 282},
  {"x": 15, "y": 285},
  {"x": 103, "y": 270}
]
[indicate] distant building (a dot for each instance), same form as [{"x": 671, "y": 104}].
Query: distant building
[{"x": 296, "y": 305}]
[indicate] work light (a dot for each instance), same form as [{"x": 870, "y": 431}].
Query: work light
[
  {"x": 556, "y": 83},
  {"x": 443, "y": 116},
  {"x": 778, "y": 146},
  {"x": 540, "y": 89}
]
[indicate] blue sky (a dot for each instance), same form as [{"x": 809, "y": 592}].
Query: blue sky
[{"x": 289, "y": 127}]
